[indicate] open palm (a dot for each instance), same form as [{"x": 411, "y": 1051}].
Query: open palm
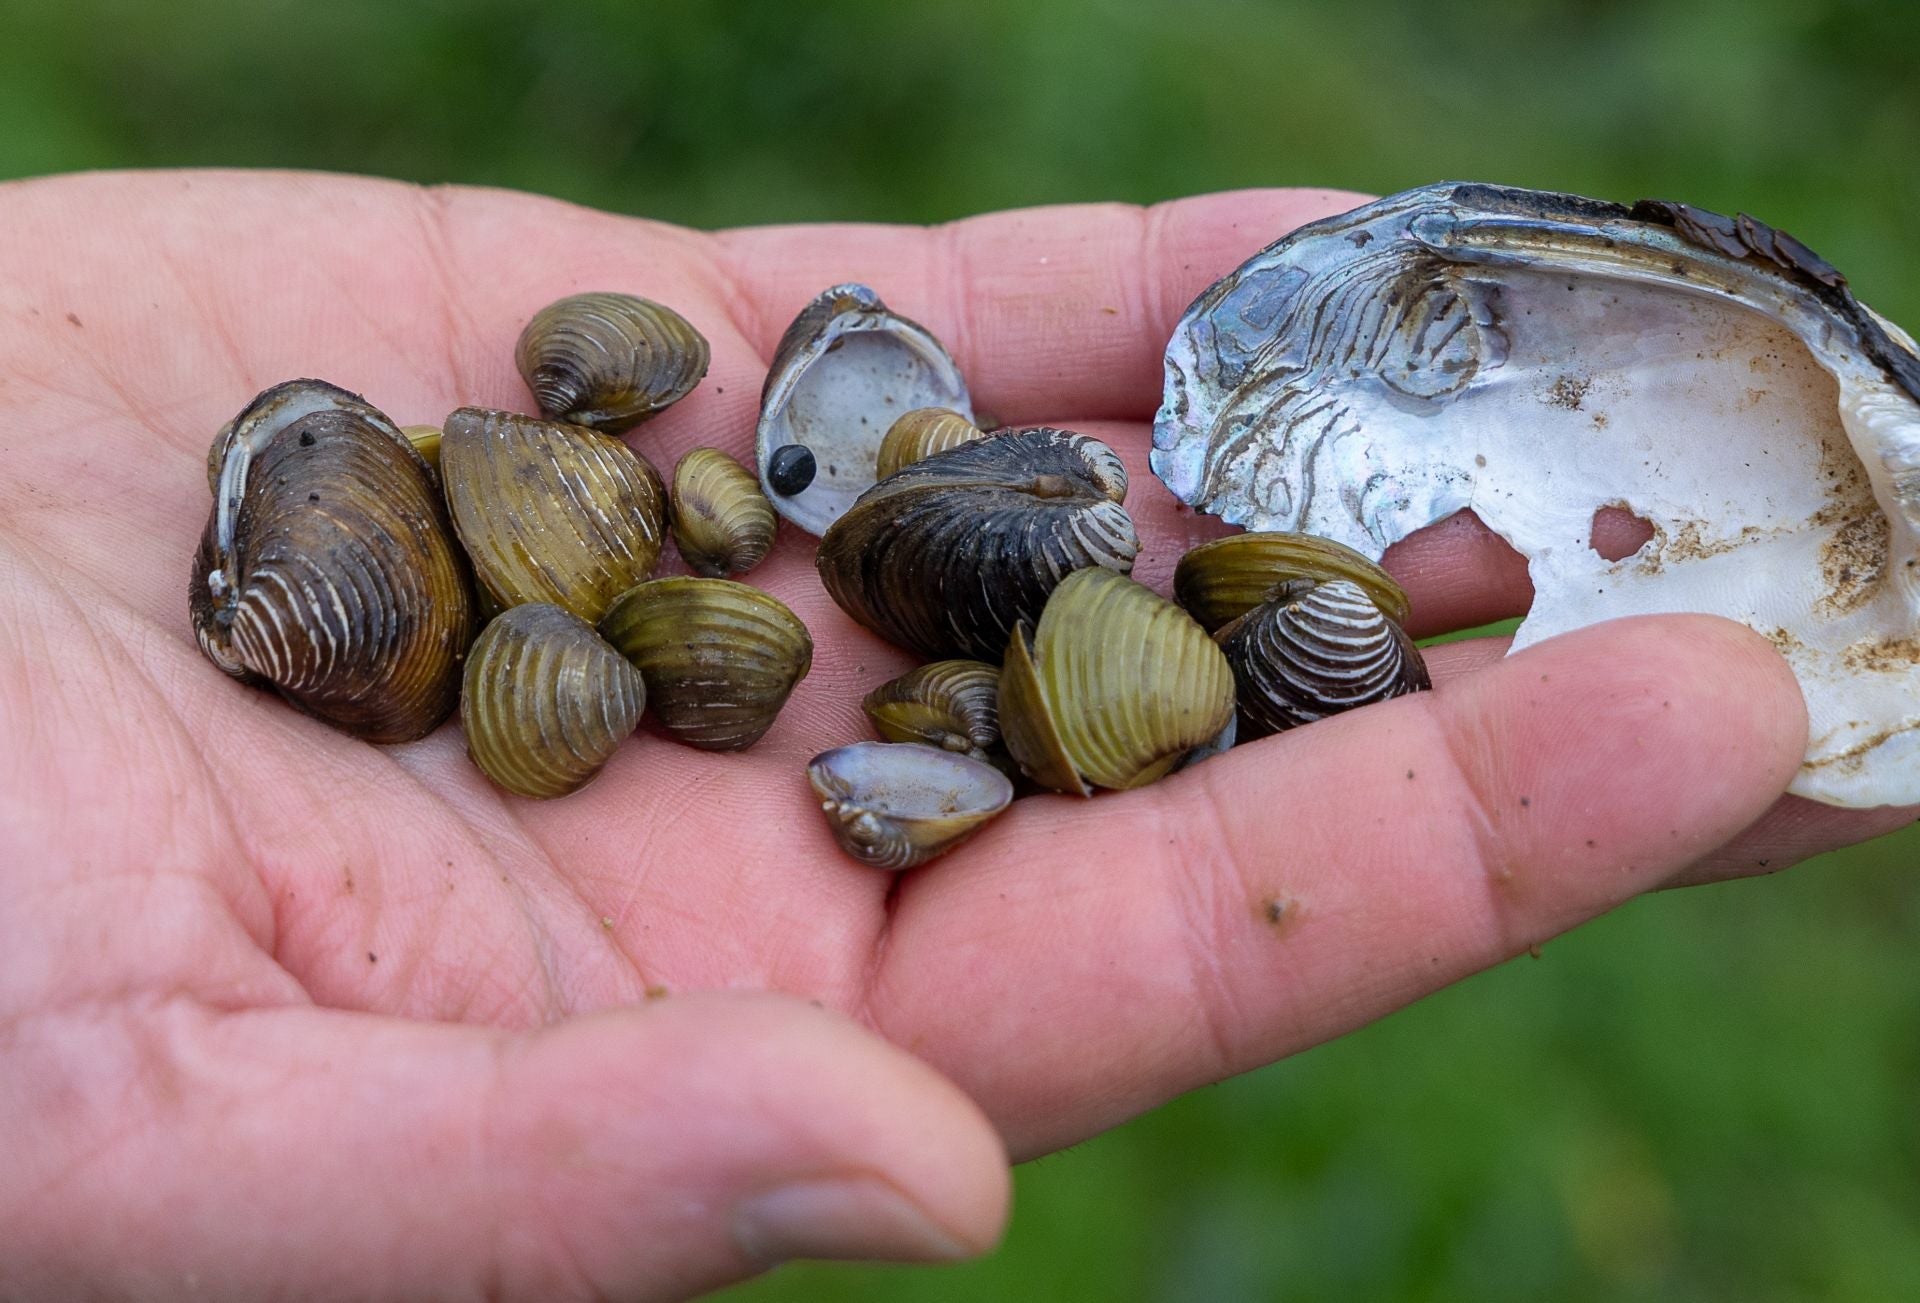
[{"x": 283, "y": 1011}]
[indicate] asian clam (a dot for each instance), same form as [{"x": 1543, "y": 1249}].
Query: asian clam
[{"x": 1534, "y": 357}]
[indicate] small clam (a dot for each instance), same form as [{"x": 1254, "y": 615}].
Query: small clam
[
  {"x": 846, "y": 368},
  {"x": 328, "y": 568},
  {"x": 719, "y": 658},
  {"x": 790, "y": 469},
  {"x": 551, "y": 512},
  {"x": 721, "y": 520},
  {"x": 921, "y": 433},
  {"x": 893, "y": 805},
  {"x": 546, "y": 701},
  {"x": 947, "y": 555},
  {"x": 953, "y": 705},
  {"x": 1224, "y": 579},
  {"x": 609, "y": 361},
  {"x": 1314, "y": 649},
  {"x": 1118, "y": 685}
]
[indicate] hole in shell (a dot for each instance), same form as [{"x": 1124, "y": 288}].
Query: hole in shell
[{"x": 1619, "y": 532}]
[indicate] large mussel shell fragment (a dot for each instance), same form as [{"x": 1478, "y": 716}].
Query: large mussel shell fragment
[
  {"x": 328, "y": 568},
  {"x": 609, "y": 361},
  {"x": 845, "y": 370},
  {"x": 551, "y": 512},
  {"x": 1538, "y": 358},
  {"x": 546, "y": 702},
  {"x": 1220, "y": 581},
  {"x": 894, "y": 805},
  {"x": 921, "y": 433},
  {"x": 719, "y": 658},
  {"x": 721, "y": 521},
  {"x": 946, "y": 556},
  {"x": 953, "y": 705},
  {"x": 1117, "y": 685},
  {"x": 1316, "y": 649}
]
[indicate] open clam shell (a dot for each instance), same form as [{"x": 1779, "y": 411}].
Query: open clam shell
[
  {"x": 722, "y": 523},
  {"x": 894, "y": 805},
  {"x": 1538, "y": 358},
  {"x": 328, "y": 568},
  {"x": 609, "y": 361},
  {"x": 1316, "y": 649},
  {"x": 947, "y": 555},
  {"x": 546, "y": 702},
  {"x": 551, "y": 512},
  {"x": 1117, "y": 685},
  {"x": 719, "y": 658},
  {"x": 845, "y": 370}
]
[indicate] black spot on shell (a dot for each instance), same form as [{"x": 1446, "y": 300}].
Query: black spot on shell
[{"x": 791, "y": 469}]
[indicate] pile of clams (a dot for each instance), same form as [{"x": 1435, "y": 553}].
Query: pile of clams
[{"x": 1535, "y": 357}]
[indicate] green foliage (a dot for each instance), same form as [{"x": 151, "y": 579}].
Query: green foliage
[{"x": 1708, "y": 1095}]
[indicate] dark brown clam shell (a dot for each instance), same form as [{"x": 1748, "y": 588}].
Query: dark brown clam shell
[
  {"x": 609, "y": 361},
  {"x": 329, "y": 569},
  {"x": 946, "y": 556}
]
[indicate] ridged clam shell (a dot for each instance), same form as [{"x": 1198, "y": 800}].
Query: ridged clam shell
[
  {"x": 1223, "y": 580},
  {"x": 953, "y": 705},
  {"x": 946, "y": 556},
  {"x": 609, "y": 361},
  {"x": 843, "y": 372},
  {"x": 1117, "y": 686},
  {"x": 1317, "y": 649},
  {"x": 328, "y": 567},
  {"x": 546, "y": 702},
  {"x": 894, "y": 805},
  {"x": 551, "y": 512},
  {"x": 921, "y": 433},
  {"x": 719, "y": 658},
  {"x": 426, "y": 441},
  {"x": 722, "y": 522}
]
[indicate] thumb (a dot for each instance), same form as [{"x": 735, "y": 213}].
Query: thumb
[{"x": 645, "y": 1153}]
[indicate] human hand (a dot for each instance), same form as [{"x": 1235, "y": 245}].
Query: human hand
[{"x": 284, "y": 1012}]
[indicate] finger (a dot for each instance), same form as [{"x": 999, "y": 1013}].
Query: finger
[
  {"x": 647, "y": 1153},
  {"x": 1117, "y": 951},
  {"x": 1793, "y": 830}
]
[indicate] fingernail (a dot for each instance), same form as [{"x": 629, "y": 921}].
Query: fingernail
[{"x": 843, "y": 1217}]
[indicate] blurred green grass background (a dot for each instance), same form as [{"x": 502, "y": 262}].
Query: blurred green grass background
[{"x": 1707, "y": 1095}]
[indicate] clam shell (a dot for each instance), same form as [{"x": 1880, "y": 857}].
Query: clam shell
[
  {"x": 426, "y": 441},
  {"x": 551, "y": 512},
  {"x": 894, "y": 805},
  {"x": 609, "y": 361},
  {"x": 844, "y": 371},
  {"x": 947, "y": 555},
  {"x": 1317, "y": 649},
  {"x": 1538, "y": 358},
  {"x": 328, "y": 568},
  {"x": 719, "y": 658},
  {"x": 1220, "y": 581},
  {"x": 721, "y": 521},
  {"x": 921, "y": 433},
  {"x": 1117, "y": 685},
  {"x": 953, "y": 705},
  {"x": 546, "y": 702}
]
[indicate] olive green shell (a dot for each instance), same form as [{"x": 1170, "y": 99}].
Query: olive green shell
[
  {"x": 328, "y": 568},
  {"x": 719, "y": 658},
  {"x": 1117, "y": 685},
  {"x": 895, "y": 805},
  {"x": 1316, "y": 649},
  {"x": 546, "y": 701},
  {"x": 551, "y": 512},
  {"x": 722, "y": 522},
  {"x": 609, "y": 361},
  {"x": 945, "y": 556},
  {"x": 921, "y": 433},
  {"x": 953, "y": 705},
  {"x": 1224, "y": 579}
]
